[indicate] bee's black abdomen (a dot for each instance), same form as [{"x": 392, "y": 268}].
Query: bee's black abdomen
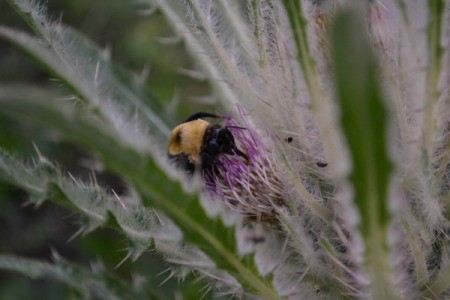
[{"x": 218, "y": 140}]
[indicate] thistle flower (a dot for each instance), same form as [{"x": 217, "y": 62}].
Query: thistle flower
[{"x": 250, "y": 187}]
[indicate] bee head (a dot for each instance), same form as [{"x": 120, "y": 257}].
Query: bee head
[{"x": 219, "y": 140}]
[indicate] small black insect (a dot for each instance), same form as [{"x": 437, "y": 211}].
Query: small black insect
[{"x": 321, "y": 164}]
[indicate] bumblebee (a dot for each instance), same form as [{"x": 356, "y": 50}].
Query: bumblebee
[{"x": 196, "y": 143}]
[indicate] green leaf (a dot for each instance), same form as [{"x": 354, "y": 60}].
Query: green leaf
[
  {"x": 43, "y": 181},
  {"x": 87, "y": 284},
  {"x": 84, "y": 68},
  {"x": 81, "y": 77},
  {"x": 365, "y": 123}
]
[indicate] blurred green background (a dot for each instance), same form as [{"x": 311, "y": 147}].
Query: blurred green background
[{"x": 134, "y": 42}]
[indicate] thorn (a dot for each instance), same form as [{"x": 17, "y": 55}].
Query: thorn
[
  {"x": 194, "y": 74},
  {"x": 148, "y": 11},
  {"x": 167, "y": 279},
  {"x": 167, "y": 41},
  {"x": 67, "y": 98},
  {"x": 26, "y": 203},
  {"x": 93, "y": 177},
  {"x": 145, "y": 73},
  {"x": 73, "y": 178},
  {"x": 162, "y": 272},
  {"x": 382, "y": 5},
  {"x": 69, "y": 215},
  {"x": 55, "y": 254},
  {"x": 207, "y": 290},
  {"x": 60, "y": 18},
  {"x": 122, "y": 261},
  {"x": 97, "y": 70},
  {"x": 39, "y": 154},
  {"x": 106, "y": 53},
  {"x": 118, "y": 198},
  {"x": 292, "y": 290},
  {"x": 157, "y": 216},
  {"x": 77, "y": 233}
]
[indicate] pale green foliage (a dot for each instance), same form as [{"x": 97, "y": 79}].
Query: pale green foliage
[
  {"x": 94, "y": 283},
  {"x": 390, "y": 82}
]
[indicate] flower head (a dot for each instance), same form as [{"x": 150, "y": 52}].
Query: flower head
[{"x": 250, "y": 187}]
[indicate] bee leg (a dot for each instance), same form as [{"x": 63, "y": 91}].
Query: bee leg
[
  {"x": 241, "y": 154},
  {"x": 207, "y": 160}
]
